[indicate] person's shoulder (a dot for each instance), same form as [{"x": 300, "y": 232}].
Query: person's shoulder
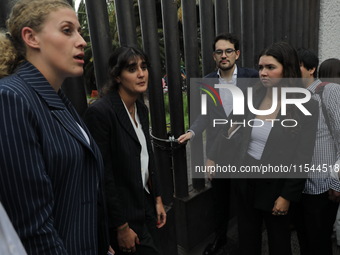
[
  {"x": 332, "y": 88},
  {"x": 13, "y": 84},
  {"x": 10, "y": 81},
  {"x": 212, "y": 75},
  {"x": 331, "y": 94},
  {"x": 102, "y": 104},
  {"x": 142, "y": 106},
  {"x": 245, "y": 72}
]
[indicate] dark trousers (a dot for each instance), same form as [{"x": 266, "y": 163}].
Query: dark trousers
[
  {"x": 250, "y": 227},
  {"x": 148, "y": 237},
  {"x": 251, "y": 219},
  {"x": 221, "y": 203},
  {"x": 314, "y": 218}
]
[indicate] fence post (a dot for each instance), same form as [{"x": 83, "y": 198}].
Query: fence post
[
  {"x": 147, "y": 13},
  {"x": 207, "y": 35},
  {"x": 192, "y": 71},
  {"x": 98, "y": 20},
  {"x": 126, "y": 22},
  {"x": 221, "y": 16},
  {"x": 170, "y": 30}
]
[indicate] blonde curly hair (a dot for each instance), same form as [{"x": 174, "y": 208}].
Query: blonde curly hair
[
  {"x": 25, "y": 13},
  {"x": 8, "y": 57}
]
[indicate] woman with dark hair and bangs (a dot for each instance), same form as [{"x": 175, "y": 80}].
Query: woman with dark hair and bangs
[
  {"x": 119, "y": 123},
  {"x": 268, "y": 197},
  {"x": 329, "y": 70}
]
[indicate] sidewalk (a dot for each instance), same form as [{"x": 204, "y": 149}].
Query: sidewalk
[{"x": 231, "y": 247}]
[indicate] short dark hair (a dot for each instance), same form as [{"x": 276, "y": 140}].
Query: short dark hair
[
  {"x": 227, "y": 37},
  {"x": 330, "y": 68},
  {"x": 118, "y": 61},
  {"x": 309, "y": 59}
]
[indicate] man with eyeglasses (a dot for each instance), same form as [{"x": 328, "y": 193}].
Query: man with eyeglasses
[{"x": 225, "y": 53}]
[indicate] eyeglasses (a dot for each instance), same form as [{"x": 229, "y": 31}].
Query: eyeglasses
[{"x": 228, "y": 52}]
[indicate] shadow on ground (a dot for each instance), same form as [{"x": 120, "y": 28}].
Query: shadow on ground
[{"x": 231, "y": 248}]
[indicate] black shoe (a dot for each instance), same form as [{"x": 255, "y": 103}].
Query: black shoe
[{"x": 214, "y": 247}]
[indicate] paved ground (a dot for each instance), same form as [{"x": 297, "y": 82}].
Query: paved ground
[{"x": 231, "y": 247}]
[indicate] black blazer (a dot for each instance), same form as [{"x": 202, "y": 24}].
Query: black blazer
[
  {"x": 205, "y": 122},
  {"x": 284, "y": 148},
  {"x": 111, "y": 128}
]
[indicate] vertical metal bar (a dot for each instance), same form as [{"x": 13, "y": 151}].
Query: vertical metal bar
[
  {"x": 300, "y": 13},
  {"x": 278, "y": 19},
  {"x": 285, "y": 22},
  {"x": 314, "y": 24},
  {"x": 259, "y": 27},
  {"x": 306, "y": 31},
  {"x": 74, "y": 89},
  {"x": 221, "y": 16},
  {"x": 207, "y": 35},
  {"x": 235, "y": 17},
  {"x": 247, "y": 37},
  {"x": 147, "y": 10},
  {"x": 192, "y": 71},
  {"x": 6, "y": 6},
  {"x": 269, "y": 22},
  {"x": 235, "y": 23},
  {"x": 98, "y": 20},
  {"x": 170, "y": 29},
  {"x": 293, "y": 22},
  {"x": 126, "y": 22}
]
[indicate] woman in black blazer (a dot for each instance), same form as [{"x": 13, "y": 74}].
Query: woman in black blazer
[
  {"x": 119, "y": 123},
  {"x": 268, "y": 198}
]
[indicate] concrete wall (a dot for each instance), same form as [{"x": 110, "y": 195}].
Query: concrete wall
[{"x": 329, "y": 32}]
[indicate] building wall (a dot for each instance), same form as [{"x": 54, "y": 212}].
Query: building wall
[{"x": 329, "y": 32}]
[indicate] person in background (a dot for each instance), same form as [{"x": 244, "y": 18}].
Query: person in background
[
  {"x": 317, "y": 210},
  {"x": 329, "y": 70},
  {"x": 51, "y": 169},
  {"x": 269, "y": 198},
  {"x": 226, "y": 50},
  {"x": 309, "y": 63},
  {"x": 119, "y": 123}
]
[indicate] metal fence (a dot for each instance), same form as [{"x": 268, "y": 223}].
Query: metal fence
[{"x": 188, "y": 30}]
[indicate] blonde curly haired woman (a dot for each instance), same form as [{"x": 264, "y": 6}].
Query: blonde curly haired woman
[{"x": 51, "y": 169}]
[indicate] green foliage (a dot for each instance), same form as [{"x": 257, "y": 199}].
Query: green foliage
[
  {"x": 185, "y": 111},
  {"x": 89, "y": 73}
]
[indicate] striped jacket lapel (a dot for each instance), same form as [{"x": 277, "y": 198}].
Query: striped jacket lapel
[{"x": 41, "y": 86}]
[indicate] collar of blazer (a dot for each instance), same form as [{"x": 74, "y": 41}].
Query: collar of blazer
[
  {"x": 60, "y": 107},
  {"x": 123, "y": 117}
]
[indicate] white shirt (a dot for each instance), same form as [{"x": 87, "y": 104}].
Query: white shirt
[
  {"x": 84, "y": 133},
  {"x": 144, "y": 154},
  {"x": 258, "y": 138},
  {"x": 225, "y": 94}
]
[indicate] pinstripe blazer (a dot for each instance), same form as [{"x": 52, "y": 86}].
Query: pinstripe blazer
[
  {"x": 50, "y": 175},
  {"x": 111, "y": 127}
]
